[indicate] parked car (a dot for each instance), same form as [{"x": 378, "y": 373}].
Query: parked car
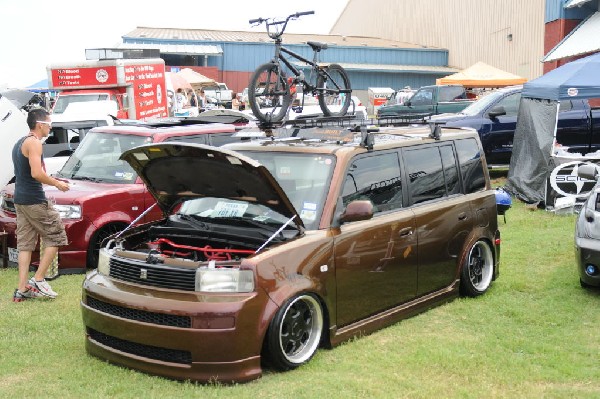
[
  {"x": 587, "y": 232},
  {"x": 494, "y": 116},
  {"x": 270, "y": 249},
  {"x": 428, "y": 100},
  {"x": 105, "y": 193}
]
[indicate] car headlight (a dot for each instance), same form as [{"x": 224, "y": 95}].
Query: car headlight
[
  {"x": 224, "y": 280},
  {"x": 68, "y": 211},
  {"x": 104, "y": 261}
]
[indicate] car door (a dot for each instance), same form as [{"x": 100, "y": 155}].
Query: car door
[
  {"x": 422, "y": 102},
  {"x": 443, "y": 218},
  {"x": 573, "y": 127},
  {"x": 376, "y": 259},
  {"x": 499, "y": 138}
]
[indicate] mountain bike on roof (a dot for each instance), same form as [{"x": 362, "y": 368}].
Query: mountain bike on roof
[{"x": 273, "y": 85}]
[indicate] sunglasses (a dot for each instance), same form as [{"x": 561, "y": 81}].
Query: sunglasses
[{"x": 45, "y": 123}]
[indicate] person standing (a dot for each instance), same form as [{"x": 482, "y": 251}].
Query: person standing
[
  {"x": 35, "y": 214},
  {"x": 180, "y": 100}
]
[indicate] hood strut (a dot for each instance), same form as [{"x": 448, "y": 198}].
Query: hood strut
[
  {"x": 135, "y": 220},
  {"x": 275, "y": 234}
]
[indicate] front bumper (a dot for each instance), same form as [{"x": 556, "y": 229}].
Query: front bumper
[
  {"x": 175, "y": 334},
  {"x": 72, "y": 258},
  {"x": 587, "y": 252}
]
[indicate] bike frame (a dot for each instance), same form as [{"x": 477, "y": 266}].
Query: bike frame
[{"x": 279, "y": 49}]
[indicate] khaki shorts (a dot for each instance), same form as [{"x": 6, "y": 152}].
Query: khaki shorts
[{"x": 39, "y": 219}]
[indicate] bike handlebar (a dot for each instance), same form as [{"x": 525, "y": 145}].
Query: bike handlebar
[{"x": 291, "y": 16}]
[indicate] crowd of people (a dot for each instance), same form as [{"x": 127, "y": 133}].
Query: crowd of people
[{"x": 187, "y": 99}]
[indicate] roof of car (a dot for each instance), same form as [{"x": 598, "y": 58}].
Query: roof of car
[{"x": 331, "y": 140}]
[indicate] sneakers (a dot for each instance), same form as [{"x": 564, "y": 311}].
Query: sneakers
[
  {"x": 30, "y": 292},
  {"x": 43, "y": 287}
]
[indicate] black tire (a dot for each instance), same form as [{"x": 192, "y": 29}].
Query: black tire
[
  {"x": 269, "y": 93},
  {"x": 478, "y": 270},
  {"x": 331, "y": 101},
  {"x": 96, "y": 242},
  {"x": 295, "y": 333}
]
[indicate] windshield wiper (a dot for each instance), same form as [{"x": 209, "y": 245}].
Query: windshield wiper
[
  {"x": 87, "y": 178},
  {"x": 194, "y": 220}
]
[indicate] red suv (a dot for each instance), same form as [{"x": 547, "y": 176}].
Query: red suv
[{"x": 106, "y": 194}]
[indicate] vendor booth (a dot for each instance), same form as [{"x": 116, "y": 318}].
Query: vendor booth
[
  {"x": 542, "y": 170},
  {"x": 482, "y": 75}
]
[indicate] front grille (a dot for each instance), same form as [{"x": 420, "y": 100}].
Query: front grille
[
  {"x": 154, "y": 275},
  {"x": 147, "y": 351},
  {"x": 140, "y": 315}
]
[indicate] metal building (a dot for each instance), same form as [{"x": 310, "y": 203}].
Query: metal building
[
  {"x": 524, "y": 37},
  {"x": 231, "y": 56},
  {"x": 507, "y": 34}
]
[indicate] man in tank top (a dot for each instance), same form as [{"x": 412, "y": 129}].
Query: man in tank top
[{"x": 35, "y": 214}]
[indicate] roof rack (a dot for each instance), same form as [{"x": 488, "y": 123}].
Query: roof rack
[{"x": 346, "y": 121}]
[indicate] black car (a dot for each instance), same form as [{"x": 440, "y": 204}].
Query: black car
[{"x": 494, "y": 116}]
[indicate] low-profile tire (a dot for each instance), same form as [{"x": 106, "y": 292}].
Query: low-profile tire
[
  {"x": 478, "y": 269},
  {"x": 96, "y": 242},
  {"x": 585, "y": 285},
  {"x": 295, "y": 333}
]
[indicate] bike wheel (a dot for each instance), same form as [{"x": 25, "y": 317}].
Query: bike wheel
[
  {"x": 334, "y": 91},
  {"x": 269, "y": 93}
]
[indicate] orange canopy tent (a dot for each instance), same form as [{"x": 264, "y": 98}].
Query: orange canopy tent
[{"x": 482, "y": 75}]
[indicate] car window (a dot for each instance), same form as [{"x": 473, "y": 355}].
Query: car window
[
  {"x": 375, "y": 178},
  {"x": 451, "y": 94},
  {"x": 220, "y": 139},
  {"x": 425, "y": 174},
  {"x": 422, "y": 97},
  {"x": 565, "y": 105},
  {"x": 471, "y": 166},
  {"x": 450, "y": 170},
  {"x": 196, "y": 138},
  {"x": 511, "y": 104}
]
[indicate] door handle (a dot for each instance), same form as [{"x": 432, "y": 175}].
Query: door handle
[
  {"x": 407, "y": 231},
  {"x": 462, "y": 216}
]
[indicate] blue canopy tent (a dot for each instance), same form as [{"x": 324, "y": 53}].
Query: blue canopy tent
[
  {"x": 532, "y": 158},
  {"x": 39, "y": 87}
]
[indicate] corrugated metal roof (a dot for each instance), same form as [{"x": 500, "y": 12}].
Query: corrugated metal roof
[
  {"x": 195, "y": 49},
  {"x": 583, "y": 39},
  {"x": 145, "y": 33},
  {"x": 576, "y": 3},
  {"x": 392, "y": 68}
]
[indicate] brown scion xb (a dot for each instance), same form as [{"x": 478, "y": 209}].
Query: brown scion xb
[{"x": 272, "y": 248}]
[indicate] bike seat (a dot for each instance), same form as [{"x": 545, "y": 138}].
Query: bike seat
[{"x": 317, "y": 46}]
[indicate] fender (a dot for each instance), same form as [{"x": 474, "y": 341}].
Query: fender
[{"x": 104, "y": 219}]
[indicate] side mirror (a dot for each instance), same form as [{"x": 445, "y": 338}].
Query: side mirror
[
  {"x": 357, "y": 210},
  {"x": 588, "y": 171},
  {"x": 498, "y": 110},
  {"x": 407, "y": 103}
]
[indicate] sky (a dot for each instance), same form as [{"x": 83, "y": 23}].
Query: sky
[{"x": 36, "y": 33}]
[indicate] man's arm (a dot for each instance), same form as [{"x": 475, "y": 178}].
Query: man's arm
[{"x": 32, "y": 149}]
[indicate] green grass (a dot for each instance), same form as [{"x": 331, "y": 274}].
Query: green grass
[{"x": 533, "y": 335}]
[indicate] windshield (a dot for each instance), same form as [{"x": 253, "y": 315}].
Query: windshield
[
  {"x": 97, "y": 158},
  {"x": 303, "y": 177},
  {"x": 480, "y": 105},
  {"x": 63, "y": 101}
]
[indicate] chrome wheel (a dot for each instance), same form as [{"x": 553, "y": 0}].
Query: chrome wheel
[
  {"x": 478, "y": 269},
  {"x": 295, "y": 332}
]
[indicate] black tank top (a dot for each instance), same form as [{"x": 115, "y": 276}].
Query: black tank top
[{"x": 28, "y": 191}]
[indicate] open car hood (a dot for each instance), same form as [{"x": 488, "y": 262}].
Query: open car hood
[{"x": 175, "y": 172}]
